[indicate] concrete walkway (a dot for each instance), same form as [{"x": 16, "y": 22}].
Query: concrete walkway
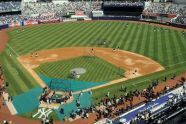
[{"x": 9, "y": 104}]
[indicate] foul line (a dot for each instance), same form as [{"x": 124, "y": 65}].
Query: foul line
[{"x": 13, "y": 50}]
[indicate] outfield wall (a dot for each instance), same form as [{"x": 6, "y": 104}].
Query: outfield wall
[
  {"x": 3, "y": 26},
  {"x": 34, "y": 22},
  {"x": 141, "y": 20},
  {"x": 165, "y": 23},
  {"x": 131, "y": 18}
]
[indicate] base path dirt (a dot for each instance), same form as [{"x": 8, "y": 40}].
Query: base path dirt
[{"x": 135, "y": 65}]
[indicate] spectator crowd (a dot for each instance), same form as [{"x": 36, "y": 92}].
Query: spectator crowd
[
  {"x": 175, "y": 13},
  {"x": 164, "y": 8},
  {"x": 122, "y": 3},
  {"x": 10, "y": 6},
  {"x": 58, "y": 10}
]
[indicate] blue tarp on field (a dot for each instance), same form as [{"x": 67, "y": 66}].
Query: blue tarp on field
[
  {"x": 27, "y": 101},
  {"x": 68, "y": 85}
]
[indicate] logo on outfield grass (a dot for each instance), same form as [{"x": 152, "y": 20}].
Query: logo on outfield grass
[{"x": 42, "y": 112}]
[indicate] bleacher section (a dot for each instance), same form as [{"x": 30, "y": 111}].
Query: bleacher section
[
  {"x": 11, "y": 6},
  {"x": 59, "y": 8},
  {"x": 16, "y": 13},
  {"x": 165, "y": 12}
]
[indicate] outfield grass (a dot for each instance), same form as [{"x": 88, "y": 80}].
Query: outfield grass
[
  {"x": 165, "y": 47},
  {"x": 97, "y": 70}
]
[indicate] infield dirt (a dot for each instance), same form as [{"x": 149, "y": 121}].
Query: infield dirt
[{"x": 135, "y": 65}]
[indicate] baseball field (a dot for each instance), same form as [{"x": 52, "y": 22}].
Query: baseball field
[{"x": 161, "y": 45}]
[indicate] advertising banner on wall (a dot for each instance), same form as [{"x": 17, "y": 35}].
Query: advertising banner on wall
[
  {"x": 3, "y": 26},
  {"x": 47, "y": 15},
  {"x": 49, "y": 21},
  {"x": 97, "y": 13},
  {"x": 30, "y": 22},
  {"x": 79, "y": 13},
  {"x": 70, "y": 13}
]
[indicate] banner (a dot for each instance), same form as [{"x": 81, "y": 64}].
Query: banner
[
  {"x": 47, "y": 15},
  {"x": 79, "y": 16},
  {"x": 48, "y": 21},
  {"x": 30, "y": 22},
  {"x": 69, "y": 20},
  {"x": 79, "y": 13},
  {"x": 97, "y": 13},
  {"x": 70, "y": 13},
  {"x": 172, "y": 16},
  {"x": 4, "y": 26}
]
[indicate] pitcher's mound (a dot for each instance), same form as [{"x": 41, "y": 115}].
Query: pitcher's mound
[{"x": 78, "y": 71}]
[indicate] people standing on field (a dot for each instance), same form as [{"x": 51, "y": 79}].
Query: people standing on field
[{"x": 183, "y": 33}]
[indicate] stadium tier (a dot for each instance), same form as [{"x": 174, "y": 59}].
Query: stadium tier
[{"x": 12, "y": 6}]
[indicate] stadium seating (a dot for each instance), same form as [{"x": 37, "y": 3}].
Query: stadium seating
[
  {"x": 10, "y": 6},
  {"x": 59, "y": 9},
  {"x": 165, "y": 8}
]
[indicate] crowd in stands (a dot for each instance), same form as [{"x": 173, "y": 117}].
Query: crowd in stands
[
  {"x": 48, "y": 10},
  {"x": 164, "y": 8},
  {"x": 179, "y": 20},
  {"x": 53, "y": 10},
  {"x": 178, "y": 10},
  {"x": 9, "y": 18},
  {"x": 59, "y": 9},
  {"x": 121, "y": 3},
  {"x": 10, "y": 6}
]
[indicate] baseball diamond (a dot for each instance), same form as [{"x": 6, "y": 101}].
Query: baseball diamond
[{"x": 104, "y": 63}]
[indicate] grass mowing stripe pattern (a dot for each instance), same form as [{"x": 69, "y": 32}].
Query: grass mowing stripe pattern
[{"x": 167, "y": 48}]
